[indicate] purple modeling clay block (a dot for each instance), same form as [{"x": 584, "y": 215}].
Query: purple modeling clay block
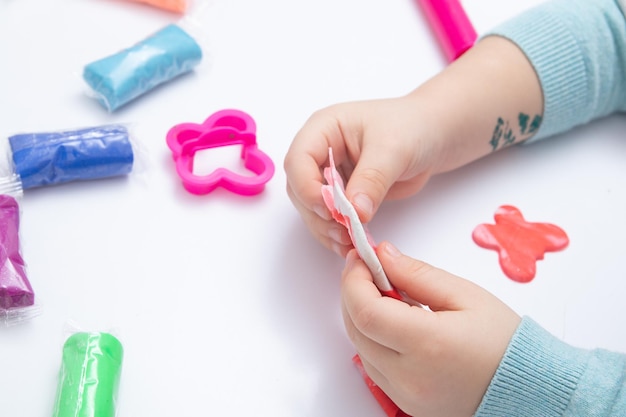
[{"x": 15, "y": 290}]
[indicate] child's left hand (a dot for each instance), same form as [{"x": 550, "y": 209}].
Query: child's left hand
[{"x": 430, "y": 363}]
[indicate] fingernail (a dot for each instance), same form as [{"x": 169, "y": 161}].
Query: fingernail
[
  {"x": 352, "y": 256},
  {"x": 392, "y": 250},
  {"x": 335, "y": 234},
  {"x": 365, "y": 203},
  {"x": 322, "y": 212},
  {"x": 337, "y": 248}
]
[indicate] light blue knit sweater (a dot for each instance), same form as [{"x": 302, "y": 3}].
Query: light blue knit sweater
[{"x": 578, "y": 49}]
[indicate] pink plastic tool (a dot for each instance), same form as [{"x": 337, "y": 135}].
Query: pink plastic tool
[
  {"x": 223, "y": 128},
  {"x": 452, "y": 27}
]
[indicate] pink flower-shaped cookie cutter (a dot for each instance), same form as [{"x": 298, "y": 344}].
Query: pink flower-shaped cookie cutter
[{"x": 223, "y": 128}]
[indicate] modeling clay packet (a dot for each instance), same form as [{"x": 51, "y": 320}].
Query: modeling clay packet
[
  {"x": 122, "y": 77},
  {"x": 90, "y": 375},
  {"x": 48, "y": 158},
  {"x": 17, "y": 298}
]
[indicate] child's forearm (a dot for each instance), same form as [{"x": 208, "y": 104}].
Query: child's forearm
[{"x": 486, "y": 100}]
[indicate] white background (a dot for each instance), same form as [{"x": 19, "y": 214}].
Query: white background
[{"x": 225, "y": 304}]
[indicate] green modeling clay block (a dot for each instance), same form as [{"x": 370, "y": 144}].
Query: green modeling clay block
[{"x": 90, "y": 376}]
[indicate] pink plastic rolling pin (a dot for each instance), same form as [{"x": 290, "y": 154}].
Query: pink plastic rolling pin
[{"x": 451, "y": 25}]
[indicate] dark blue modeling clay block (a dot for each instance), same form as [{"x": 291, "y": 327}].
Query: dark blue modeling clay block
[
  {"x": 52, "y": 158},
  {"x": 124, "y": 76}
]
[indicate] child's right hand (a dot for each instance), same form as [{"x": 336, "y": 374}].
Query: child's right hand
[
  {"x": 430, "y": 362},
  {"x": 385, "y": 148}
]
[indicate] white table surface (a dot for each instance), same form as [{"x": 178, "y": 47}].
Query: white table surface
[{"x": 225, "y": 304}]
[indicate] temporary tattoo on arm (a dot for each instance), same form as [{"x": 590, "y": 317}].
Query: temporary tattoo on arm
[
  {"x": 505, "y": 135},
  {"x": 523, "y": 122},
  {"x": 534, "y": 126},
  {"x": 497, "y": 134}
]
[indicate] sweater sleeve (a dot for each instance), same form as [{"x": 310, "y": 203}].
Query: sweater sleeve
[
  {"x": 540, "y": 375},
  {"x": 578, "y": 50}
]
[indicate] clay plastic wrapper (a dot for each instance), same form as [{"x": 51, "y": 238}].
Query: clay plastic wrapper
[
  {"x": 48, "y": 158},
  {"x": 90, "y": 375},
  {"x": 18, "y": 315},
  {"x": 176, "y": 6},
  {"x": 17, "y": 298},
  {"x": 120, "y": 78}
]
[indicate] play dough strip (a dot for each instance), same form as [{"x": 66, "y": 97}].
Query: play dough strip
[{"x": 344, "y": 213}]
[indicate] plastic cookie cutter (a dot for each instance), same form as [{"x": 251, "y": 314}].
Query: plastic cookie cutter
[{"x": 223, "y": 128}]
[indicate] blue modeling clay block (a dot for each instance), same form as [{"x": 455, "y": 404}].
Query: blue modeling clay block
[
  {"x": 122, "y": 77},
  {"x": 57, "y": 157}
]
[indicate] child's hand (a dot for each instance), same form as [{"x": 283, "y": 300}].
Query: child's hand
[
  {"x": 430, "y": 363},
  {"x": 389, "y": 148},
  {"x": 379, "y": 145}
]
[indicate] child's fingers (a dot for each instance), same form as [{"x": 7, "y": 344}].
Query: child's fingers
[
  {"x": 368, "y": 349},
  {"x": 374, "y": 174},
  {"x": 306, "y": 158},
  {"x": 331, "y": 234},
  {"x": 436, "y": 288},
  {"x": 304, "y": 182},
  {"x": 383, "y": 320}
]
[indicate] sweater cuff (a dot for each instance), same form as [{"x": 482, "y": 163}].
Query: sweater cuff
[
  {"x": 559, "y": 61},
  {"x": 537, "y": 375}
]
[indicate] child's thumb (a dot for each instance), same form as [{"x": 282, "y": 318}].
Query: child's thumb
[
  {"x": 373, "y": 176},
  {"x": 436, "y": 288}
]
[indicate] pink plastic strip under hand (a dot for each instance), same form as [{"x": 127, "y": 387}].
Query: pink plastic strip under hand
[
  {"x": 225, "y": 127},
  {"x": 452, "y": 27}
]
